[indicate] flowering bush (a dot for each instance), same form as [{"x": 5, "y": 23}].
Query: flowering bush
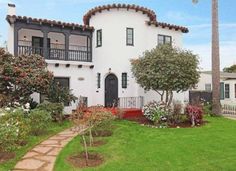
[
  {"x": 155, "y": 112},
  {"x": 39, "y": 120},
  {"x": 14, "y": 128},
  {"x": 194, "y": 114}
]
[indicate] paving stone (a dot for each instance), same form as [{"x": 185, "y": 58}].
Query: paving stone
[
  {"x": 30, "y": 154},
  {"x": 57, "y": 138},
  {"x": 48, "y": 159},
  {"x": 54, "y": 152},
  {"x": 29, "y": 164},
  {"x": 50, "y": 142},
  {"x": 42, "y": 149}
]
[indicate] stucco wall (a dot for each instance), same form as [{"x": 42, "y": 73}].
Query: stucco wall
[{"x": 115, "y": 54}]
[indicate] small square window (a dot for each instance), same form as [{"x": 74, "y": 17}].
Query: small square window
[
  {"x": 208, "y": 87},
  {"x": 163, "y": 39}
]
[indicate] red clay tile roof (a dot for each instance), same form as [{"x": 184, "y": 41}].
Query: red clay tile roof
[
  {"x": 151, "y": 14},
  {"x": 13, "y": 18},
  {"x": 170, "y": 26}
]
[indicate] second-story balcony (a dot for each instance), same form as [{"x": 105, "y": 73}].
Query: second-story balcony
[
  {"x": 53, "y": 40},
  {"x": 56, "y": 52}
]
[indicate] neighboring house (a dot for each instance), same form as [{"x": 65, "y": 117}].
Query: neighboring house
[
  {"x": 227, "y": 86},
  {"x": 93, "y": 59}
]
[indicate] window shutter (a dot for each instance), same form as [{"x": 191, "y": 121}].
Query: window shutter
[{"x": 222, "y": 91}]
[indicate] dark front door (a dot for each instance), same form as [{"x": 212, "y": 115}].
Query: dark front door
[{"x": 111, "y": 90}]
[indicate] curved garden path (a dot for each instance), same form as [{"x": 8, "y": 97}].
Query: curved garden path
[{"x": 43, "y": 156}]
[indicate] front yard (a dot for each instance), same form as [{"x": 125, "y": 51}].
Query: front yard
[
  {"x": 32, "y": 141},
  {"x": 134, "y": 147}
]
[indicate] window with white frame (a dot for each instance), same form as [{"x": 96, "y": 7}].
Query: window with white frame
[
  {"x": 208, "y": 87},
  {"x": 227, "y": 91}
]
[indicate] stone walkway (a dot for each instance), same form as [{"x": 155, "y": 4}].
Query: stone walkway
[{"x": 43, "y": 156}]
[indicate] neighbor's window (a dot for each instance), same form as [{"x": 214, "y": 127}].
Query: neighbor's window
[
  {"x": 208, "y": 87},
  {"x": 235, "y": 90},
  {"x": 99, "y": 38},
  {"x": 129, "y": 36},
  {"x": 222, "y": 91},
  {"x": 98, "y": 80},
  {"x": 164, "y": 39},
  {"x": 227, "y": 91},
  {"x": 124, "y": 80}
]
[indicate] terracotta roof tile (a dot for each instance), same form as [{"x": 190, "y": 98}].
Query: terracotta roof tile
[
  {"x": 170, "y": 26},
  {"x": 13, "y": 18},
  {"x": 151, "y": 14}
]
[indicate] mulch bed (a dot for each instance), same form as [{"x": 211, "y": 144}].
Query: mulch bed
[
  {"x": 144, "y": 121},
  {"x": 102, "y": 133},
  {"x": 186, "y": 124},
  {"x": 5, "y": 156},
  {"x": 80, "y": 161},
  {"x": 96, "y": 143}
]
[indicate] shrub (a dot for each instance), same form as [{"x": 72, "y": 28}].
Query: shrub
[
  {"x": 176, "y": 116},
  {"x": 207, "y": 109},
  {"x": 55, "y": 109},
  {"x": 14, "y": 129},
  {"x": 155, "y": 112},
  {"x": 194, "y": 114},
  {"x": 39, "y": 120}
]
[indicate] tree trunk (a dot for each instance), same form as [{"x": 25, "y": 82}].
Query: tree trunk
[
  {"x": 170, "y": 99},
  {"x": 90, "y": 137},
  {"x": 86, "y": 150},
  {"x": 216, "y": 109}
]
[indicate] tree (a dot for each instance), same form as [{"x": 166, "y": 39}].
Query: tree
[
  {"x": 166, "y": 69},
  {"x": 21, "y": 76},
  {"x": 216, "y": 109},
  {"x": 231, "y": 69},
  {"x": 58, "y": 94}
]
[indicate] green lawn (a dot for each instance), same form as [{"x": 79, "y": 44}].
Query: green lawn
[
  {"x": 32, "y": 141},
  {"x": 133, "y": 147}
]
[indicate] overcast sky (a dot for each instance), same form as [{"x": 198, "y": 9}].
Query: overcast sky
[{"x": 181, "y": 12}]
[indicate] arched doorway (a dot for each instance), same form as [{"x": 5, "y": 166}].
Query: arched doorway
[{"x": 111, "y": 90}]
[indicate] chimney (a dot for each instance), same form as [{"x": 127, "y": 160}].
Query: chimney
[{"x": 11, "y": 9}]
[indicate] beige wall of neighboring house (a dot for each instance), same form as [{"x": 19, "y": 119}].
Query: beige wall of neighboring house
[{"x": 228, "y": 86}]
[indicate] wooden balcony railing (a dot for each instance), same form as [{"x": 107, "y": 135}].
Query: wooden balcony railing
[{"x": 57, "y": 54}]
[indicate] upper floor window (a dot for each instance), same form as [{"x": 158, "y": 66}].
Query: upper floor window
[
  {"x": 164, "y": 39},
  {"x": 208, "y": 87},
  {"x": 227, "y": 93},
  {"x": 124, "y": 80},
  {"x": 99, "y": 38},
  {"x": 129, "y": 36}
]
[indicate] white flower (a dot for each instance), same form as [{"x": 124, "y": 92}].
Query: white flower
[
  {"x": 26, "y": 110},
  {"x": 7, "y": 109},
  {"x": 27, "y": 105},
  {"x": 2, "y": 114}
]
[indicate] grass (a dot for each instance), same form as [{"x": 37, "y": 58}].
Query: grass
[
  {"x": 32, "y": 141},
  {"x": 136, "y": 148}
]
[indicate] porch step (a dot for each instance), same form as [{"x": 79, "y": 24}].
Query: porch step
[{"x": 132, "y": 113}]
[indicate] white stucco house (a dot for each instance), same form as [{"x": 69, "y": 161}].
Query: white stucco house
[
  {"x": 93, "y": 58},
  {"x": 227, "y": 86}
]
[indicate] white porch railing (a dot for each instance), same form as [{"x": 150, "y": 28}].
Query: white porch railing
[
  {"x": 131, "y": 102},
  {"x": 229, "y": 109}
]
